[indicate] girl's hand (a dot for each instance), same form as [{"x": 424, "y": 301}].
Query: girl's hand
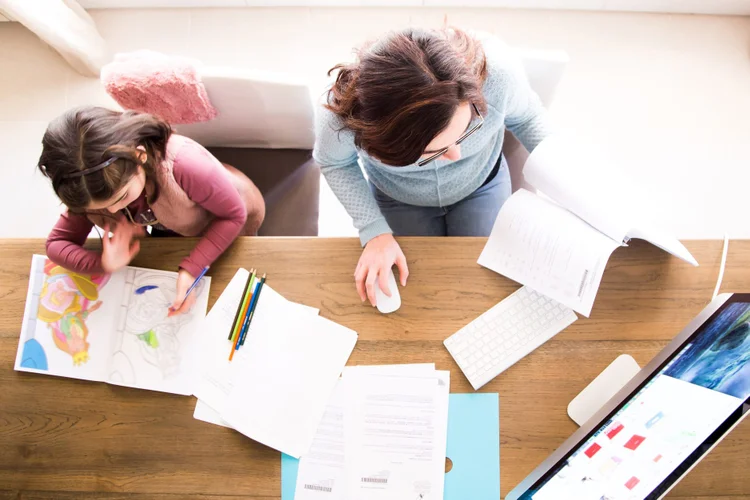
[
  {"x": 181, "y": 304},
  {"x": 376, "y": 261},
  {"x": 121, "y": 248}
]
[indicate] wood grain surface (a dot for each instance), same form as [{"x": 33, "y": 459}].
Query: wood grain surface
[{"x": 69, "y": 439}]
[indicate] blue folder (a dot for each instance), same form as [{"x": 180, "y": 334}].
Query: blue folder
[{"x": 473, "y": 447}]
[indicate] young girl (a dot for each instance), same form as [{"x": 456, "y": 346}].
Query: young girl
[
  {"x": 426, "y": 112},
  {"x": 123, "y": 171}
]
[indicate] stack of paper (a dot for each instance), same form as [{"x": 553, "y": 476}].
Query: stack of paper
[
  {"x": 276, "y": 388},
  {"x": 383, "y": 436},
  {"x": 473, "y": 453}
]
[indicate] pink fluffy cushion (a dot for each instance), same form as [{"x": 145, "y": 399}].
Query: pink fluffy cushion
[{"x": 166, "y": 86}]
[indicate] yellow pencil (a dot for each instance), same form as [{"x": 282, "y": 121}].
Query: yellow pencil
[
  {"x": 245, "y": 307},
  {"x": 245, "y": 304}
]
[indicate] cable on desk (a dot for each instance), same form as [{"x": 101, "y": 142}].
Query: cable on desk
[{"x": 722, "y": 265}]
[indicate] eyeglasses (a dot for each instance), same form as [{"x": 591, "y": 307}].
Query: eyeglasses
[
  {"x": 461, "y": 139},
  {"x": 145, "y": 218}
]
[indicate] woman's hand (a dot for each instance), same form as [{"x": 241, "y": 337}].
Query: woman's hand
[
  {"x": 181, "y": 304},
  {"x": 376, "y": 261},
  {"x": 121, "y": 248}
]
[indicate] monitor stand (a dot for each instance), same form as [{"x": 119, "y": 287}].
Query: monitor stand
[{"x": 602, "y": 388}]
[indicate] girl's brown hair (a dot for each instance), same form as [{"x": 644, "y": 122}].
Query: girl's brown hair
[
  {"x": 83, "y": 138},
  {"x": 404, "y": 89}
]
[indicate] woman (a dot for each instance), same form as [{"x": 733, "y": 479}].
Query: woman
[{"x": 425, "y": 111}]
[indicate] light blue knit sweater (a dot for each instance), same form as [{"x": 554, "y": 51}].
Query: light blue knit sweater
[{"x": 511, "y": 103}]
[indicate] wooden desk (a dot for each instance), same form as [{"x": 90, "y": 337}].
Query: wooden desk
[{"x": 68, "y": 439}]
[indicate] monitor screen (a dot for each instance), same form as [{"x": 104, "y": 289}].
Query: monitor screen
[{"x": 666, "y": 424}]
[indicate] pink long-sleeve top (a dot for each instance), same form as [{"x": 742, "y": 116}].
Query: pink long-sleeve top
[{"x": 194, "y": 172}]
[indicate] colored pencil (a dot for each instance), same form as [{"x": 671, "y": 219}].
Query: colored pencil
[
  {"x": 246, "y": 323},
  {"x": 252, "y": 309},
  {"x": 236, "y": 343},
  {"x": 239, "y": 304},
  {"x": 195, "y": 283},
  {"x": 245, "y": 305}
]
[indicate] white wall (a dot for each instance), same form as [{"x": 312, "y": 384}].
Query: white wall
[{"x": 723, "y": 7}]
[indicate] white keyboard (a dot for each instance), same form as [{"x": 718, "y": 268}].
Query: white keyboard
[{"x": 497, "y": 339}]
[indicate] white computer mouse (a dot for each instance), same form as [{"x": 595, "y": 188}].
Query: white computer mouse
[{"x": 385, "y": 303}]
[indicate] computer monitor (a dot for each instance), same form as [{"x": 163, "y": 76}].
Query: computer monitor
[{"x": 663, "y": 422}]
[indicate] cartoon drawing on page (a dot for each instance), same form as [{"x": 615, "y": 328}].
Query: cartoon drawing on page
[
  {"x": 65, "y": 302},
  {"x": 149, "y": 342}
]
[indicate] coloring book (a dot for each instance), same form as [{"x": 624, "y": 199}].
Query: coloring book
[{"x": 110, "y": 328}]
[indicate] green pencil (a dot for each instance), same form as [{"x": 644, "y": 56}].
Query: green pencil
[
  {"x": 245, "y": 304},
  {"x": 239, "y": 305}
]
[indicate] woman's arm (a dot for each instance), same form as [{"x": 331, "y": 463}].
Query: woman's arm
[{"x": 335, "y": 153}]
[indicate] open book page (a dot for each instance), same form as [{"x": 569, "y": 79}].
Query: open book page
[
  {"x": 545, "y": 247},
  {"x": 289, "y": 375},
  {"x": 68, "y": 322},
  {"x": 149, "y": 349},
  {"x": 580, "y": 179},
  {"x": 658, "y": 238}
]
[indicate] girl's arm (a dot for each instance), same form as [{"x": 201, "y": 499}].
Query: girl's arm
[
  {"x": 195, "y": 172},
  {"x": 65, "y": 245}
]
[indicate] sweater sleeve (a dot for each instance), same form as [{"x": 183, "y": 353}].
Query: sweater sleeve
[
  {"x": 195, "y": 172},
  {"x": 337, "y": 156},
  {"x": 525, "y": 115},
  {"x": 65, "y": 245}
]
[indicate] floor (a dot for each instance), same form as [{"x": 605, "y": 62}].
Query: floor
[{"x": 666, "y": 95}]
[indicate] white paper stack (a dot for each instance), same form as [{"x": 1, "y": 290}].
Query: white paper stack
[
  {"x": 383, "y": 436},
  {"x": 277, "y": 386}
]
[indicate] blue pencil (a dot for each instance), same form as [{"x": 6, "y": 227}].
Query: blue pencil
[
  {"x": 195, "y": 283},
  {"x": 255, "y": 305},
  {"x": 246, "y": 322}
]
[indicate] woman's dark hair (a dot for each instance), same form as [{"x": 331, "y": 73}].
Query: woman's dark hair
[
  {"x": 83, "y": 138},
  {"x": 404, "y": 89}
]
